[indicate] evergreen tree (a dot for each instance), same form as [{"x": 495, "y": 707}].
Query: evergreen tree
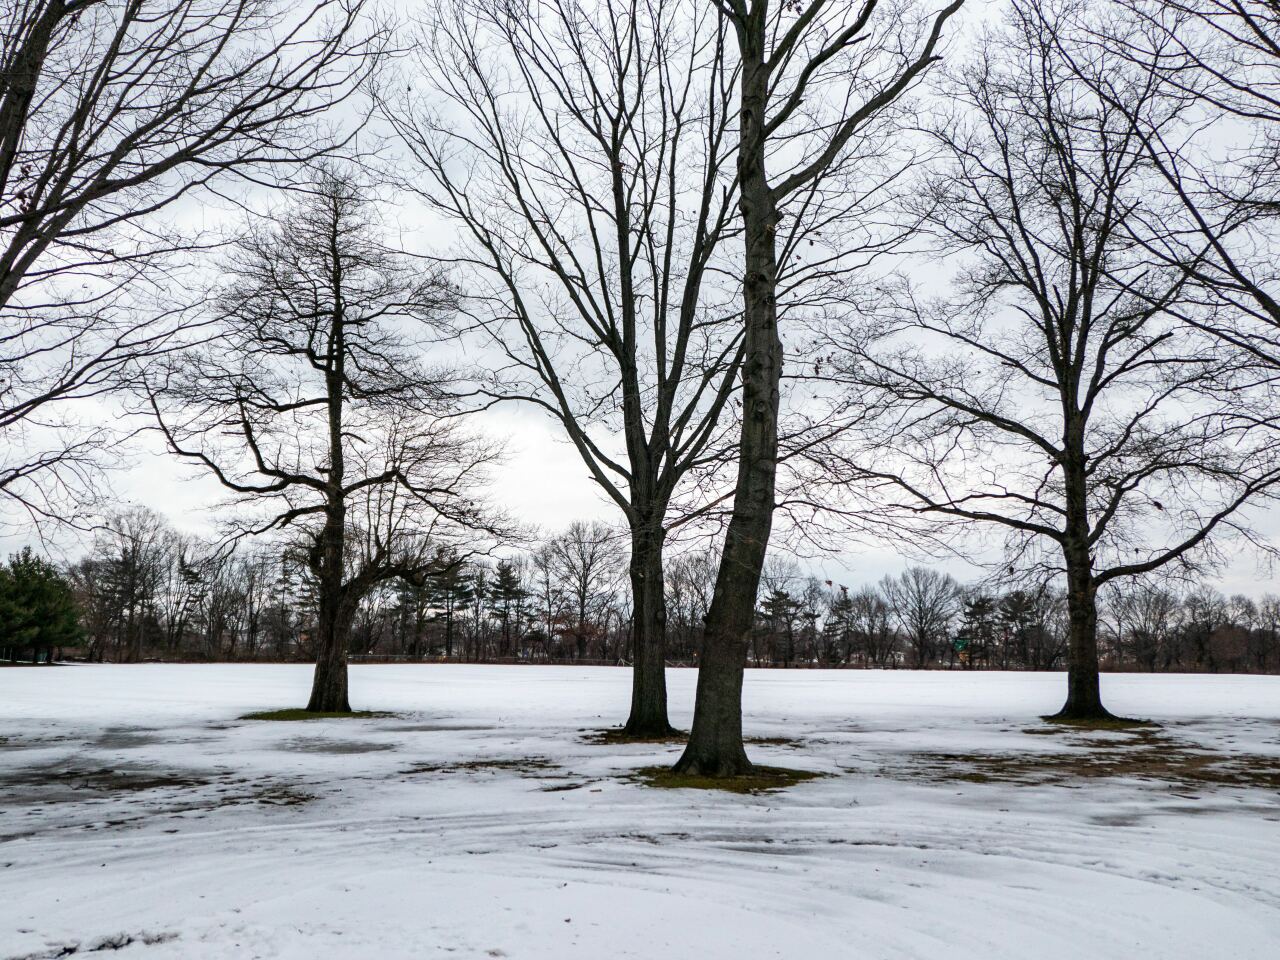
[
  {"x": 976, "y": 636},
  {"x": 450, "y": 588},
  {"x": 506, "y": 604},
  {"x": 780, "y": 611},
  {"x": 837, "y": 630},
  {"x": 37, "y": 609},
  {"x": 411, "y": 605}
]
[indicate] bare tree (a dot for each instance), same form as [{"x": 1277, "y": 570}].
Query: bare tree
[
  {"x": 587, "y": 559},
  {"x": 131, "y": 552},
  {"x": 1056, "y": 392},
  {"x": 870, "y": 624},
  {"x": 691, "y": 576},
  {"x": 925, "y": 603},
  {"x": 1267, "y": 643},
  {"x": 815, "y": 78},
  {"x": 1146, "y": 615},
  {"x": 583, "y": 149},
  {"x": 311, "y": 408},
  {"x": 111, "y": 112},
  {"x": 179, "y": 588}
]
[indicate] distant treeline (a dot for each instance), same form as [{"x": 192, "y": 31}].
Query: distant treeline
[{"x": 145, "y": 591}]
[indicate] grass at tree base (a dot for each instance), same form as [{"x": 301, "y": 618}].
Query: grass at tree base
[
  {"x": 761, "y": 779},
  {"x": 1106, "y": 722},
  {"x": 296, "y": 714}
]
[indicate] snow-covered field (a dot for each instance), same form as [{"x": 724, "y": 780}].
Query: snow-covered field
[{"x": 137, "y": 812}]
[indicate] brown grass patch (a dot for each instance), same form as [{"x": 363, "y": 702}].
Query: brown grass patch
[
  {"x": 762, "y": 779},
  {"x": 291, "y": 716},
  {"x": 48, "y": 783},
  {"x": 1146, "y": 756},
  {"x": 1123, "y": 724},
  {"x": 773, "y": 741}
]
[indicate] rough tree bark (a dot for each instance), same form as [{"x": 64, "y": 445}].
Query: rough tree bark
[
  {"x": 329, "y": 682},
  {"x": 715, "y": 743},
  {"x": 648, "y": 717},
  {"x": 1084, "y": 689},
  {"x": 329, "y": 685}
]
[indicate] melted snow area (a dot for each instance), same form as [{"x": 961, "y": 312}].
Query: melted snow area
[{"x": 140, "y": 818}]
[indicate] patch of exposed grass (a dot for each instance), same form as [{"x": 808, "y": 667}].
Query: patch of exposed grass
[
  {"x": 281, "y": 795},
  {"x": 613, "y": 735},
  {"x": 762, "y": 779},
  {"x": 292, "y": 715},
  {"x": 335, "y": 747},
  {"x": 1102, "y": 723},
  {"x": 1151, "y": 758},
  {"x": 571, "y": 785}
]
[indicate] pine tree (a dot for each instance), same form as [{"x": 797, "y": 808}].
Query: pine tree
[
  {"x": 837, "y": 630},
  {"x": 37, "y": 609},
  {"x": 780, "y": 610},
  {"x": 976, "y": 635},
  {"x": 450, "y": 588},
  {"x": 506, "y": 604}
]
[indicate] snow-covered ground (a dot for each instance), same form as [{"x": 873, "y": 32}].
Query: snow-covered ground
[{"x": 137, "y": 812}]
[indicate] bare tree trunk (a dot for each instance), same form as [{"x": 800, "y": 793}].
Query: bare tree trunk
[
  {"x": 715, "y": 742},
  {"x": 329, "y": 686},
  {"x": 649, "y": 634},
  {"x": 1084, "y": 693}
]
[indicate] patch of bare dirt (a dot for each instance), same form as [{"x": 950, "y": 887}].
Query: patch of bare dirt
[
  {"x": 1143, "y": 753},
  {"x": 51, "y": 784}
]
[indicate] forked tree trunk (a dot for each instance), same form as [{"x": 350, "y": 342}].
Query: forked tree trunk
[
  {"x": 715, "y": 743},
  {"x": 649, "y": 635}
]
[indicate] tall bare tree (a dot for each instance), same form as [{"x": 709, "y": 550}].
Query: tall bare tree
[
  {"x": 1146, "y": 615},
  {"x": 816, "y": 78},
  {"x": 587, "y": 560},
  {"x": 925, "y": 603},
  {"x": 582, "y": 147},
  {"x": 1056, "y": 391},
  {"x": 111, "y": 113},
  {"x": 311, "y": 407}
]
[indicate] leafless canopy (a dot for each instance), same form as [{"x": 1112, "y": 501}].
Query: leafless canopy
[
  {"x": 111, "y": 112},
  {"x": 318, "y": 318},
  {"x": 1215, "y": 180},
  {"x": 582, "y": 150}
]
